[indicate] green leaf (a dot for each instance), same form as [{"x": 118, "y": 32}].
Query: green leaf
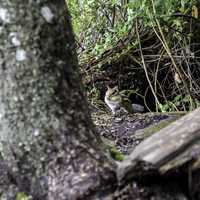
[
  {"x": 116, "y": 154},
  {"x": 22, "y": 196}
]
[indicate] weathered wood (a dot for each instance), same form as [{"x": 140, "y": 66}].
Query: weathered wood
[{"x": 167, "y": 149}]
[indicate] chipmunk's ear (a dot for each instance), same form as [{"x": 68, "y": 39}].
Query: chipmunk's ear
[
  {"x": 116, "y": 88},
  {"x": 108, "y": 87}
]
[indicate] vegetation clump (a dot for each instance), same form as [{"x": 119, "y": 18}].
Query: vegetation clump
[{"x": 148, "y": 46}]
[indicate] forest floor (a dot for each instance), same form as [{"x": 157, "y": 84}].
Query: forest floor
[
  {"x": 128, "y": 130},
  {"x": 124, "y": 132}
]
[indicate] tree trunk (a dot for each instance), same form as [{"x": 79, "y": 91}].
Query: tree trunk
[{"x": 47, "y": 137}]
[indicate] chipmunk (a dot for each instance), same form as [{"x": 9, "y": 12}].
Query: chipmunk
[{"x": 117, "y": 101}]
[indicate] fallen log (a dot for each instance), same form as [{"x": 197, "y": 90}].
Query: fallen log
[{"x": 165, "y": 151}]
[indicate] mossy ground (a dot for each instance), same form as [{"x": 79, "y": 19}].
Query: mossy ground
[{"x": 124, "y": 132}]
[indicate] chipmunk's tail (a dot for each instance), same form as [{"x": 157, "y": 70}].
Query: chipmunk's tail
[{"x": 138, "y": 108}]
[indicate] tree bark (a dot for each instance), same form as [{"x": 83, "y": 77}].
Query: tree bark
[{"x": 46, "y": 133}]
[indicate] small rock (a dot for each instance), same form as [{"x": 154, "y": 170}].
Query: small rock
[{"x": 118, "y": 119}]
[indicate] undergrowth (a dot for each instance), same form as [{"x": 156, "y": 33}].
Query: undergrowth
[{"x": 159, "y": 37}]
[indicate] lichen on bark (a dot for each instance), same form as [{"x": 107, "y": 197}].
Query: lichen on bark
[
  {"x": 46, "y": 132},
  {"x": 30, "y": 74}
]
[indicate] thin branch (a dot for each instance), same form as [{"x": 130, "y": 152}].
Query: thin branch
[{"x": 144, "y": 65}]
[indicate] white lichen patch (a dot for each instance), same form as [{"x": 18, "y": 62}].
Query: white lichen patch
[
  {"x": 20, "y": 144},
  {"x": 36, "y": 132},
  {"x": 4, "y": 15},
  {"x": 47, "y": 14},
  {"x": 20, "y": 55},
  {"x": 14, "y": 39},
  {"x": 15, "y": 98},
  {"x": 1, "y": 115},
  {"x": 42, "y": 159}
]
